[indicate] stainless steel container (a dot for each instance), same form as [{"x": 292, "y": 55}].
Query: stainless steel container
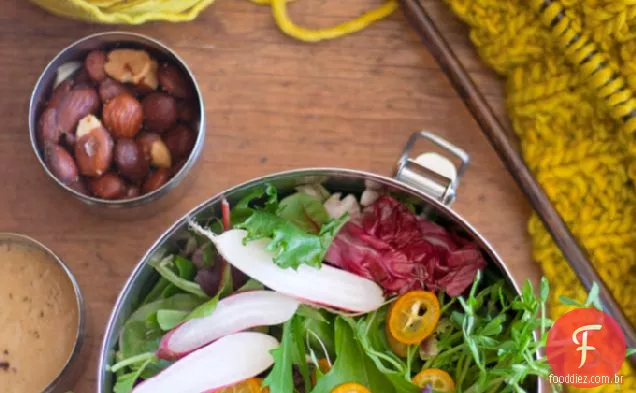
[
  {"x": 146, "y": 204},
  {"x": 431, "y": 179},
  {"x": 77, "y": 361}
]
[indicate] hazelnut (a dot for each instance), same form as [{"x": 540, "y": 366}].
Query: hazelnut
[
  {"x": 76, "y": 104},
  {"x": 127, "y": 65},
  {"x": 160, "y": 111},
  {"x": 93, "y": 148},
  {"x": 82, "y": 78},
  {"x": 157, "y": 179},
  {"x": 178, "y": 166},
  {"x": 130, "y": 160},
  {"x": 155, "y": 150},
  {"x": 108, "y": 186},
  {"x": 180, "y": 141},
  {"x": 48, "y": 130},
  {"x": 94, "y": 65},
  {"x": 131, "y": 192},
  {"x": 173, "y": 82},
  {"x": 59, "y": 94},
  {"x": 185, "y": 111},
  {"x": 150, "y": 82},
  {"x": 110, "y": 88},
  {"x": 123, "y": 116},
  {"x": 60, "y": 163},
  {"x": 79, "y": 185}
]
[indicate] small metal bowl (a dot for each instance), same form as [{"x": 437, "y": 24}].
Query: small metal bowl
[
  {"x": 76, "y": 362},
  {"x": 147, "y": 204}
]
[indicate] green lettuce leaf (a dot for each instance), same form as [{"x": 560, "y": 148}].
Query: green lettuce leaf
[
  {"x": 304, "y": 211},
  {"x": 292, "y": 246}
]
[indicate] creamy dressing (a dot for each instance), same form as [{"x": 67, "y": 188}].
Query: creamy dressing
[{"x": 38, "y": 319}]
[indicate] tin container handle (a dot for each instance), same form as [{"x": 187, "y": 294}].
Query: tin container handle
[{"x": 435, "y": 174}]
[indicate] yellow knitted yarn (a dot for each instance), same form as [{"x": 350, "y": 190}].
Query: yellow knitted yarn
[{"x": 571, "y": 75}]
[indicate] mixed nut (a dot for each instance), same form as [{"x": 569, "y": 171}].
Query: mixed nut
[{"x": 120, "y": 126}]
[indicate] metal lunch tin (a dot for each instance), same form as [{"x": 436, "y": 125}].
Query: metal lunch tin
[
  {"x": 147, "y": 204},
  {"x": 76, "y": 362},
  {"x": 431, "y": 179}
]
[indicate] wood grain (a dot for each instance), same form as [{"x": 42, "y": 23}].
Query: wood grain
[{"x": 271, "y": 104}]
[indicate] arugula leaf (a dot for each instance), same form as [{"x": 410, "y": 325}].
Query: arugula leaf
[
  {"x": 293, "y": 246},
  {"x": 204, "y": 310},
  {"x": 351, "y": 365},
  {"x": 370, "y": 333},
  {"x": 251, "y": 285},
  {"x": 320, "y": 336},
  {"x": 291, "y": 351},
  {"x": 169, "y": 319},
  {"x": 126, "y": 382},
  {"x": 311, "y": 313},
  {"x": 156, "y": 293},
  {"x": 304, "y": 211},
  {"x": 163, "y": 267}
]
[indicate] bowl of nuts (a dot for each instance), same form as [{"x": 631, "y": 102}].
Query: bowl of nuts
[{"x": 117, "y": 120}]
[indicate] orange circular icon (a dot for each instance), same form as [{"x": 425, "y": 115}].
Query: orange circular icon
[{"x": 585, "y": 348}]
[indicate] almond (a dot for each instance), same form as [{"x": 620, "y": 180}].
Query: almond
[
  {"x": 59, "y": 94},
  {"x": 77, "y": 104},
  {"x": 130, "y": 160},
  {"x": 155, "y": 150},
  {"x": 110, "y": 88},
  {"x": 108, "y": 186},
  {"x": 180, "y": 141},
  {"x": 94, "y": 65},
  {"x": 60, "y": 163},
  {"x": 48, "y": 129},
  {"x": 173, "y": 81},
  {"x": 127, "y": 65},
  {"x": 160, "y": 111},
  {"x": 123, "y": 116},
  {"x": 157, "y": 179},
  {"x": 93, "y": 148}
]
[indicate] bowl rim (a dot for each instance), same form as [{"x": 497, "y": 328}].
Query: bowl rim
[
  {"x": 141, "y": 199},
  {"x": 301, "y": 172},
  {"x": 80, "y": 304}
]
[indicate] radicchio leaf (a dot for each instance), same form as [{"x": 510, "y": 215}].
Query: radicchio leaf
[{"x": 404, "y": 252}]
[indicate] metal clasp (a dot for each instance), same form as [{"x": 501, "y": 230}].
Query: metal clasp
[{"x": 433, "y": 173}]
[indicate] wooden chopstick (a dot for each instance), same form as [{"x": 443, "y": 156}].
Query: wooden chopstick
[{"x": 500, "y": 141}]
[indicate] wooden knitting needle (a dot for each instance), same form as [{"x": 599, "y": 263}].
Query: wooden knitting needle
[{"x": 498, "y": 137}]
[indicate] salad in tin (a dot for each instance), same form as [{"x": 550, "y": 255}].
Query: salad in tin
[{"x": 320, "y": 292}]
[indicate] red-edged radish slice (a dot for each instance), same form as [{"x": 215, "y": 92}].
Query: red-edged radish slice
[
  {"x": 326, "y": 285},
  {"x": 233, "y": 314},
  {"x": 227, "y": 361}
]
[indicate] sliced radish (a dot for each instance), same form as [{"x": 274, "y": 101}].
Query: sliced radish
[
  {"x": 227, "y": 361},
  {"x": 326, "y": 285},
  {"x": 233, "y": 314}
]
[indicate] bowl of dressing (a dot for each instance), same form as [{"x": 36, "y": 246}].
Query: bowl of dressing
[{"x": 41, "y": 319}]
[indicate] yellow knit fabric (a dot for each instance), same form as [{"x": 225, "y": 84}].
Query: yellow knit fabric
[{"x": 570, "y": 68}]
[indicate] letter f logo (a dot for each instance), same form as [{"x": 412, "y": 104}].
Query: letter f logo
[{"x": 583, "y": 344}]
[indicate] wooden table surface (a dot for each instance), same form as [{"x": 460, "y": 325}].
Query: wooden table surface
[{"x": 272, "y": 104}]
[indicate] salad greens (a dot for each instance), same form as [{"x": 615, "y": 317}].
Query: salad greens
[
  {"x": 487, "y": 338},
  {"x": 299, "y": 226}
]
